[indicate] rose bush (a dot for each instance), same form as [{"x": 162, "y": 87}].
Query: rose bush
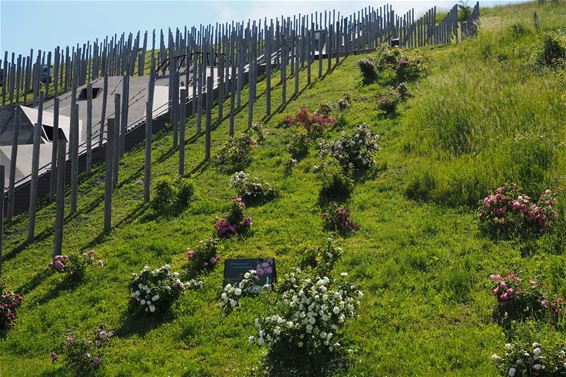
[
  {"x": 251, "y": 190},
  {"x": 312, "y": 122},
  {"x": 154, "y": 291},
  {"x": 74, "y": 266},
  {"x": 231, "y": 295},
  {"x": 235, "y": 222},
  {"x": 84, "y": 355},
  {"x": 304, "y": 330},
  {"x": 9, "y": 304},
  {"x": 506, "y": 211},
  {"x": 338, "y": 219},
  {"x": 520, "y": 299},
  {"x": 204, "y": 257},
  {"x": 353, "y": 152},
  {"x": 532, "y": 360}
]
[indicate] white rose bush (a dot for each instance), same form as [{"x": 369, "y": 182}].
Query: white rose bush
[
  {"x": 251, "y": 190},
  {"x": 231, "y": 295},
  {"x": 304, "y": 330},
  {"x": 532, "y": 360},
  {"x": 353, "y": 152},
  {"x": 154, "y": 291}
]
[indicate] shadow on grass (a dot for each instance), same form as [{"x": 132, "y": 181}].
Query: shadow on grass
[
  {"x": 134, "y": 323},
  {"x": 60, "y": 288},
  {"x": 32, "y": 284}
]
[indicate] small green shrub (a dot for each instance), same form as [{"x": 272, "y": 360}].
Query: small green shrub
[
  {"x": 345, "y": 102},
  {"x": 336, "y": 185},
  {"x": 368, "y": 70},
  {"x": 551, "y": 53},
  {"x": 235, "y": 154},
  {"x": 171, "y": 195},
  {"x": 299, "y": 145},
  {"x": 388, "y": 102}
]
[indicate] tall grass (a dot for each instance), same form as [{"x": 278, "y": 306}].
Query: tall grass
[{"x": 486, "y": 115}]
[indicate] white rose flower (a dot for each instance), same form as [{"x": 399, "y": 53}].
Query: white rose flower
[
  {"x": 512, "y": 372},
  {"x": 237, "y": 291}
]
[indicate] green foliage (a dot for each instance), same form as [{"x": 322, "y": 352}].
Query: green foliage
[
  {"x": 299, "y": 145},
  {"x": 236, "y": 153},
  {"x": 336, "y": 185},
  {"x": 368, "y": 70},
  {"x": 552, "y": 53},
  {"x": 171, "y": 195}
]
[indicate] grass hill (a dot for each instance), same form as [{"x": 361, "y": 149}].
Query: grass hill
[{"x": 484, "y": 114}]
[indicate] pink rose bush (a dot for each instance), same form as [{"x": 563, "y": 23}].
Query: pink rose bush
[
  {"x": 74, "y": 266},
  {"x": 312, "y": 122},
  {"x": 9, "y": 304},
  {"x": 338, "y": 219},
  {"x": 506, "y": 210},
  {"x": 204, "y": 257},
  {"x": 532, "y": 360},
  {"x": 235, "y": 222},
  {"x": 83, "y": 355},
  {"x": 520, "y": 299},
  {"x": 353, "y": 152},
  {"x": 154, "y": 291}
]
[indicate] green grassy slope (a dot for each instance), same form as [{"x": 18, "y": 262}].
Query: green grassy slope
[{"x": 423, "y": 265}]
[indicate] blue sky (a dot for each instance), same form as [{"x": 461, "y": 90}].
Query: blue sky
[{"x": 44, "y": 24}]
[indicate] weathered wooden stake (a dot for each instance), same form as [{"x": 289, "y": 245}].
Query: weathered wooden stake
[
  {"x": 109, "y": 170},
  {"x": 13, "y": 158},
  {"x": 182, "y": 123},
  {"x": 148, "y": 137},
  {"x": 34, "y": 170},
  {"x": 209, "y": 89},
  {"x": 89, "y": 129},
  {"x": 60, "y": 192},
  {"x": 74, "y": 149}
]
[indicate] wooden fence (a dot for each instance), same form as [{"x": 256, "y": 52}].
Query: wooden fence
[{"x": 214, "y": 62}]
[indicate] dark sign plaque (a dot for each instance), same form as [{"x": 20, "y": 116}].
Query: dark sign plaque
[{"x": 234, "y": 270}]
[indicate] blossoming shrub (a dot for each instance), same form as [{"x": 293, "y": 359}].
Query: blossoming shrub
[
  {"x": 303, "y": 333},
  {"x": 322, "y": 259},
  {"x": 171, "y": 195},
  {"x": 74, "y": 266},
  {"x": 154, "y": 291},
  {"x": 9, "y": 304},
  {"x": 235, "y": 154},
  {"x": 84, "y": 355},
  {"x": 338, "y": 219},
  {"x": 506, "y": 211},
  {"x": 251, "y": 190},
  {"x": 532, "y": 360},
  {"x": 204, "y": 257},
  {"x": 520, "y": 299},
  {"x": 336, "y": 185},
  {"x": 368, "y": 70},
  {"x": 234, "y": 222},
  {"x": 230, "y": 297},
  {"x": 344, "y": 102},
  {"x": 353, "y": 152},
  {"x": 388, "y": 102},
  {"x": 405, "y": 65},
  {"x": 312, "y": 122}
]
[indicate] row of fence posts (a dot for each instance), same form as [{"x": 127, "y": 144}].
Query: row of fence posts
[{"x": 217, "y": 58}]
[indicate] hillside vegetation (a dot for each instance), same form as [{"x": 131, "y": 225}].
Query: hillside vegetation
[{"x": 486, "y": 112}]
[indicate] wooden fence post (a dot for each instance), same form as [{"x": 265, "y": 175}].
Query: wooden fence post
[
  {"x": 209, "y": 89},
  {"x": 148, "y": 137},
  {"x": 52, "y": 175},
  {"x": 233, "y": 89},
  {"x": 13, "y": 158},
  {"x": 115, "y": 144},
  {"x": 60, "y": 193},
  {"x": 108, "y": 180},
  {"x": 74, "y": 149},
  {"x": 34, "y": 170},
  {"x": 182, "y": 123},
  {"x": 2, "y": 182},
  {"x": 89, "y": 129}
]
